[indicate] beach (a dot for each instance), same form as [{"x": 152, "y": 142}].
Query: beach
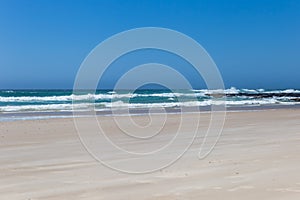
[
  {"x": 149, "y": 100},
  {"x": 256, "y": 157}
]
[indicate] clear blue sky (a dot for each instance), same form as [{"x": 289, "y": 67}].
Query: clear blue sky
[{"x": 255, "y": 43}]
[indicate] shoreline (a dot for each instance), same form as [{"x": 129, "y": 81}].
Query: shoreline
[{"x": 21, "y": 116}]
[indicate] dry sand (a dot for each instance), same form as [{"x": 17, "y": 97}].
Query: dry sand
[{"x": 257, "y": 157}]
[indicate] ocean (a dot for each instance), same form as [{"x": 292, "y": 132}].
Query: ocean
[{"x": 40, "y": 104}]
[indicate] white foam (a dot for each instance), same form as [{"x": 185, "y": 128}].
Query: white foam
[
  {"x": 121, "y": 104},
  {"x": 283, "y": 91},
  {"x": 64, "y": 103},
  {"x": 94, "y": 97},
  {"x": 49, "y": 107}
]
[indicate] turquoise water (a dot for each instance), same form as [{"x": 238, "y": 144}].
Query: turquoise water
[{"x": 15, "y": 101}]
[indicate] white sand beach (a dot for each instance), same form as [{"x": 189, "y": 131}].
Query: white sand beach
[{"x": 257, "y": 157}]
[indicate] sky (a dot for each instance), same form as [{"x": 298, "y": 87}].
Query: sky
[{"x": 254, "y": 43}]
